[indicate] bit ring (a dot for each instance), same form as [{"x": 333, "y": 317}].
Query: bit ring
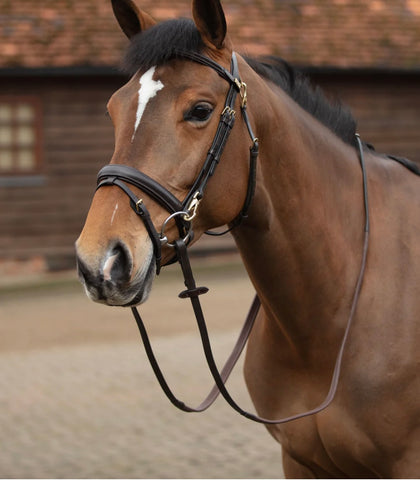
[{"x": 164, "y": 238}]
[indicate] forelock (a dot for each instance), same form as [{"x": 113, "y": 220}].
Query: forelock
[{"x": 160, "y": 43}]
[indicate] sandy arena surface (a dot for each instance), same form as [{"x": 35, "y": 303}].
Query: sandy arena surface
[{"x": 79, "y": 400}]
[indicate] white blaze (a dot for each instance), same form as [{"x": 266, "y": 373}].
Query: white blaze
[
  {"x": 148, "y": 89},
  {"x": 113, "y": 213}
]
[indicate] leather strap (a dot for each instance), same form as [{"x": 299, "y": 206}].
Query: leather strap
[
  {"x": 224, "y": 373},
  {"x": 231, "y": 78},
  {"x": 226, "y": 123},
  {"x": 142, "y": 181},
  {"x": 138, "y": 207}
]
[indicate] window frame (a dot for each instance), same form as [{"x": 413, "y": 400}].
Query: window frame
[{"x": 36, "y": 125}]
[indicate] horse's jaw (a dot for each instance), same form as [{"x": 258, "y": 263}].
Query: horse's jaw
[{"x": 113, "y": 279}]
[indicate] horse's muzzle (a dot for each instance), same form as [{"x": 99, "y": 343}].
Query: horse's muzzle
[{"x": 111, "y": 279}]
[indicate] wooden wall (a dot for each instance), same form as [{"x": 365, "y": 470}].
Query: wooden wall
[
  {"x": 78, "y": 139},
  {"x": 46, "y": 219},
  {"x": 386, "y": 107}
]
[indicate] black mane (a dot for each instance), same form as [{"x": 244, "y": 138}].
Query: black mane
[
  {"x": 334, "y": 115},
  {"x": 159, "y": 44}
]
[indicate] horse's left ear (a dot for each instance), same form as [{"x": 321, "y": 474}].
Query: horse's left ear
[
  {"x": 131, "y": 19},
  {"x": 211, "y": 23}
]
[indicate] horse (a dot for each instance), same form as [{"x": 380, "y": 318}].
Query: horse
[{"x": 298, "y": 216}]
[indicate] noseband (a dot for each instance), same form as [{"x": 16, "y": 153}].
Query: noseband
[{"x": 184, "y": 212}]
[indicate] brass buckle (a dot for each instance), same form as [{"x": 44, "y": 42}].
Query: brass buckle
[
  {"x": 242, "y": 89},
  {"x": 243, "y": 94},
  {"x": 192, "y": 208},
  {"x": 230, "y": 111}
]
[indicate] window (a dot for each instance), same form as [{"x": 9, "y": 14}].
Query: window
[{"x": 20, "y": 136}]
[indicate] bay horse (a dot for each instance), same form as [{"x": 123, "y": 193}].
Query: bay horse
[{"x": 298, "y": 215}]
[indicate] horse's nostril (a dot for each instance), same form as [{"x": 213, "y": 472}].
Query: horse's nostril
[
  {"x": 118, "y": 266},
  {"x": 115, "y": 268}
]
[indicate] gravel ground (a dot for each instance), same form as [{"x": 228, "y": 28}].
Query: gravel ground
[{"x": 78, "y": 398}]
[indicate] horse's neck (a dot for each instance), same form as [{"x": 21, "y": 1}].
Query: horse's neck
[{"x": 303, "y": 239}]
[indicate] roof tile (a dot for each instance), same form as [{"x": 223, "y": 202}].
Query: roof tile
[{"x": 344, "y": 33}]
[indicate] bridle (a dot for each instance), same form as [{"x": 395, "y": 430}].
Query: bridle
[{"x": 184, "y": 212}]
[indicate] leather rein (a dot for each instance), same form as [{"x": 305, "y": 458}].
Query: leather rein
[{"x": 183, "y": 214}]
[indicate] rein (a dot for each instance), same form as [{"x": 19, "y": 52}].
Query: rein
[{"x": 183, "y": 213}]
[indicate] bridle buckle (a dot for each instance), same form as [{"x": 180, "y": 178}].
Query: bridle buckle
[
  {"x": 243, "y": 94},
  {"x": 242, "y": 89},
  {"x": 192, "y": 208},
  {"x": 137, "y": 204}
]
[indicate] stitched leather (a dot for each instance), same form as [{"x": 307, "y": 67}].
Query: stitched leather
[
  {"x": 140, "y": 209},
  {"x": 143, "y": 182}
]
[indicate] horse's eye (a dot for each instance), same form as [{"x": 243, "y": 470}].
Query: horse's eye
[{"x": 199, "y": 113}]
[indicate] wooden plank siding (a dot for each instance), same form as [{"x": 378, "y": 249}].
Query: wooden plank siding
[
  {"x": 386, "y": 107},
  {"x": 78, "y": 139}
]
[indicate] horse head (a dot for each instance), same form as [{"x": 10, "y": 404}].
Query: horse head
[{"x": 165, "y": 120}]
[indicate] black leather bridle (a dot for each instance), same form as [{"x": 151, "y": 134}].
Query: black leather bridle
[{"x": 184, "y": 212}]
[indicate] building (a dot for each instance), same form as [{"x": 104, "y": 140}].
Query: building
[{"x": 59, "y": 65}]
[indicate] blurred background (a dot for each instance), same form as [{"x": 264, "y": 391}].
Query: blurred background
[{"x": 77, "y": 398}]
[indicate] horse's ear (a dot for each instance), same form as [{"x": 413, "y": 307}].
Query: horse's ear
[
  {"x": 211, "y": 23},
  {"x": 131, "y": 19}
]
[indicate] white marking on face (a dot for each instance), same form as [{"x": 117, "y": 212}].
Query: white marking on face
[
  {"x": 148, "y": 89},
  {"x": 113, "y": 213}
]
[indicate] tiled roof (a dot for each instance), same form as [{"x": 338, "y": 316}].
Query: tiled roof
[{"x": 337, "y": 33}]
